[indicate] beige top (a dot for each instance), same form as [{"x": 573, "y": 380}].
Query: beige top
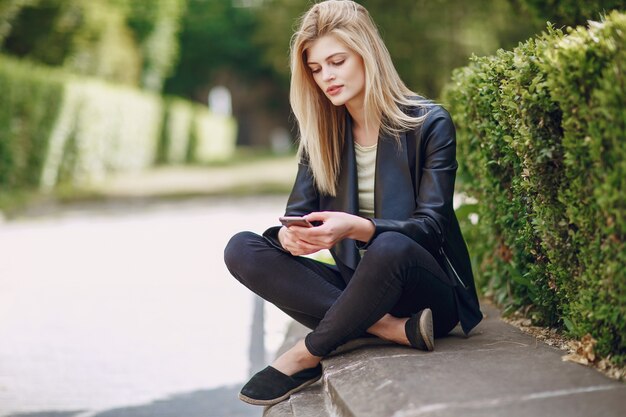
[{"x": 366, "y": 171}]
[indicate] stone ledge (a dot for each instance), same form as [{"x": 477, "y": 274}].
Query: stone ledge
[{"x": 497, "y": 370}]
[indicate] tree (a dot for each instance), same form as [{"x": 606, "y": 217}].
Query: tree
[
  {"x": 155, "y": 25},
  {"x": 426, "y": 38},
  {"x": 218, "y": 48},
  {"x": 8, "y": 11},
  {"x": 124, "y": 41},
  {"x": 570, "y": 12}
]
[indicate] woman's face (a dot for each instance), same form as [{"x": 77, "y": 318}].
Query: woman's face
[{"x": 337, "y": 70}]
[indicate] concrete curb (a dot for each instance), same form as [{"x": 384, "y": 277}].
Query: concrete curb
[{"x": 497, "y": 371}]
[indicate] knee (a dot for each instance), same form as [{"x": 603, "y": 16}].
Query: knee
[
  {"x": 392, "y": 247},
  {"x": 238, "y": 250}
]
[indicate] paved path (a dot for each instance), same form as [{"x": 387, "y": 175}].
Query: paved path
[
  {"x": 252, "y": 177},
  {"x": 103, "y": 307}
]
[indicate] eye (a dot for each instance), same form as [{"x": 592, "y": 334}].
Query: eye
[
  {"x": 314, "y": 70},
  {"x": 339, "y": 63}
]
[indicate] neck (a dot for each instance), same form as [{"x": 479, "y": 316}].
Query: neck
[
  {"x": 357, "y": 112},
  {"x": 364, "y": 130}
]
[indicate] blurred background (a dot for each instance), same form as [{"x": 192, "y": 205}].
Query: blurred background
[{"x": 136, "y": 136}]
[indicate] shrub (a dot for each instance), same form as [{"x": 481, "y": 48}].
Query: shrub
[
  {"x": 174, "y": 144},
  {"x": 56, "y": 127},
  {"x": 193, "y": 134},
  {"x": 30, "y": 105},
  {"x": 541, "y": 148},
  {"x": 214, "y": 135},
  {"x": 588, "y": 82},
  {"x": 101, "y": 128}
]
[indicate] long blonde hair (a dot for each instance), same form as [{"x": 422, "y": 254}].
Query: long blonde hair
[{"x": 322, "y": 125}]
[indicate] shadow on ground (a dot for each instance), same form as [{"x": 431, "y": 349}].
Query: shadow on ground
[
  {"x": 48, "y": 414},
  {"x": 219, "y": 402}
]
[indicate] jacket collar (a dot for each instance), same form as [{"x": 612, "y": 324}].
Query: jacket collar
[
  {"x": 347, "y": 198},
  {"x": 394, "y": 196}
]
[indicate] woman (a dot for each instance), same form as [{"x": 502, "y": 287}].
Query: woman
[{"x": 376, "y": 175}]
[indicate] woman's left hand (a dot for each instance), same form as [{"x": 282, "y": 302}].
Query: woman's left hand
[{"x": 335, "y": 227}]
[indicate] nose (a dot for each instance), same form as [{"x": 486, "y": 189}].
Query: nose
[{"x": 327, "y": 74}]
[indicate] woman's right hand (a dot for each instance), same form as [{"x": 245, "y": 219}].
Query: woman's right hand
[{"x": 292, "y": 244}]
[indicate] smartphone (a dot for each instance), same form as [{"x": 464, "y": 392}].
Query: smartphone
[{"x": 294, "y": 221}]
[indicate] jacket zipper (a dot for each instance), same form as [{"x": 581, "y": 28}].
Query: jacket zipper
[{"x": 452, "y": 268}]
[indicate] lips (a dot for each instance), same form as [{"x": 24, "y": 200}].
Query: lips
[{"x": 334, "y": 90}]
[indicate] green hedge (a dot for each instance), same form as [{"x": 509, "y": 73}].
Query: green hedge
[
  {"x": 58, "y": 128},
  {"x": 175, "y": 136},
  {"x": 101, "y": 128},
  {"x": 193, "y": 134},
  {"x": 542, "y": 148},
  {"x": 29, "y": 107}
]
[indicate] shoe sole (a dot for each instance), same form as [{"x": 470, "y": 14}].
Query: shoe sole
[
  {"x": 282, "y": 398},
  {"x": 426, "y": 329}
]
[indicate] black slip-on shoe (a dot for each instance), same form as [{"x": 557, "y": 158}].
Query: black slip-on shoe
[
  {"x": 419, "y": 330},
  {"x": 270, "y": 386}
]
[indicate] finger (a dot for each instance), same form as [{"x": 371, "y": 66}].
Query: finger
[
  {"x": 316, "y": 244},
  {"x": 314, "y": 233},
  {"x": 319, "y": 216},
  {"x": 322, "y": 235},
  {"x": 302, "y": 232},
  {"x": 290, "y": 241},
  {"x": 309, "y": 247},
  {"x": 296, "y": 237},
  {"x": 306, "y": 243},
  {"x": 323, "y": 244},
  {"x": 294, "y": 243},
  {"x": 295, "y": 228}
]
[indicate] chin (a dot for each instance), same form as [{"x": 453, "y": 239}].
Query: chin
[{"x": 337, "y": 101}]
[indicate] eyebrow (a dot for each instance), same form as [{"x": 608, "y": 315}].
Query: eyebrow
[{"x": 328, "y": 57}]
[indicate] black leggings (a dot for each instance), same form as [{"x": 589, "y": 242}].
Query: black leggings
[{"x": 396, "y": 275}]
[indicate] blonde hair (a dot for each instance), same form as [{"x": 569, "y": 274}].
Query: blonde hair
[{"x": 322, "y": 125}]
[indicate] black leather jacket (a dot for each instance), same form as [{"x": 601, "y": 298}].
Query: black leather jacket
[{"x": 414, "y": 185}]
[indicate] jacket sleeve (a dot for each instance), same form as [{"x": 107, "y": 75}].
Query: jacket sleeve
[
  {"x": 434, "y": 185},
  {"x": 303, "y": 200}
]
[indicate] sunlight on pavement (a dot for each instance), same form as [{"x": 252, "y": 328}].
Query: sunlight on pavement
[{"x": 101, "y": 310}]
